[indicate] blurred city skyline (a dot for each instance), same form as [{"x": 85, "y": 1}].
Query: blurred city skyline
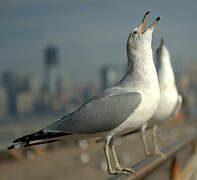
[{"x": 89, "y": 34}]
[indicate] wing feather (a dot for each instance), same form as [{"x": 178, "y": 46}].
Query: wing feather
[{"x": 100, "y": 114}]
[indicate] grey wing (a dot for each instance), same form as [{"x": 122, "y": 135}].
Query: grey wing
[
  {"x": 178, "y": 106},
  {"x": 100, "y": 114}
]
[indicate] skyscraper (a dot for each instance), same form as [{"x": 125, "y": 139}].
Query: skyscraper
[
  {"x": 9, "y": 82},
  {"x": 51, "y": 72}
]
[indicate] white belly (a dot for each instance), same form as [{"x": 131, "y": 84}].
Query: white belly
[
  {"x": 168, "y": 101},
  {"x": 139, "y": 117}
]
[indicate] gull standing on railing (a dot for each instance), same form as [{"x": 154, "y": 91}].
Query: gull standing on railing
[
  {"x": 170, "y": 100},
  {"x": 118, "y": 110}
]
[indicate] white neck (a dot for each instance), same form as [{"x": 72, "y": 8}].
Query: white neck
[
  {"x": 140, "y": 67},
  {"x": 165, "y": 71}
]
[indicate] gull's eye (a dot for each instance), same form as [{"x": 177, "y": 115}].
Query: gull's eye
[{"x": 134, "y": 33}]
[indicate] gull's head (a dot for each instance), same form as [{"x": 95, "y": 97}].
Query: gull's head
[
  {"x": 162, "y": 53},
  {"x": 140, "y": 38}
]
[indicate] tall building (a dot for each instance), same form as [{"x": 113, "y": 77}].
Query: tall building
[
  {"x": 9, "y": 82},
  {"x": 3, "y": 101},
  {"x": 51, "y": 82},
  {"x": 14, "y": 84}
]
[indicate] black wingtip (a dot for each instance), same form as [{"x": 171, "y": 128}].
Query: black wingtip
[
  {"x": 11, "y": 147},
  {"x": 39, "y": 143},
  {"x": 35, "y": 136},
  {"x": 39, "y": 136},
  {"x": 16, "y": 140},
  {"x": 21, "y": 139}
]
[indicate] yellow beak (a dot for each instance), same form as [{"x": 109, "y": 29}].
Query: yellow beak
[{"x": 144, "y": 20}]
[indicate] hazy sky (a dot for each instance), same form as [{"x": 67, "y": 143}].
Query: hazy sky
[{"x": 89, "y": 33}]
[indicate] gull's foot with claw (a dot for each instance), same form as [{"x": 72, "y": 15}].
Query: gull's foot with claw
[
  {"x": 148, "y": 154},
  {"x": 160, "y": 154},
  {"x": 126, "y": 171},
  {"x": 113, "y": 172}
]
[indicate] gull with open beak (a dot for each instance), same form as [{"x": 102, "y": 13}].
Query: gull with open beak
[
  {"x": 170, "y": 100},
  {"x": 123, "y": 108}
]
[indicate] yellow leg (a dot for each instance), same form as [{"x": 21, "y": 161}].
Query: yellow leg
[
  {"x": 109, "y": 146},
  {"x": 144, "y": 141},
  {"x": 106, "y": 151},
  {"x": 156, "y": 147},
  {"x": 117, "y": 165}
]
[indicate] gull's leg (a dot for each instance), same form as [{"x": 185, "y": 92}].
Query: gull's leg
[
  {"x": 156, "y": 147},
  {"x": 117, "y": 165},
  {"x": 106, "y": 151},
  {"x": 109, "y": 146},
  {"x": 144, "y": 141}
]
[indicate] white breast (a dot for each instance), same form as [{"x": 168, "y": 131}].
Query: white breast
[
  {"x": 140, "y": 116},
  {"x": 168, "y": 101}
]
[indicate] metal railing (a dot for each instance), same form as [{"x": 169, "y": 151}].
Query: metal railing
[{"x": 146, "y": 166}]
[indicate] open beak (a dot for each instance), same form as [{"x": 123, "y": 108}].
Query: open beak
[
  {"x": 154, "y": 22},
  {"x": 162, "y": 41},
  {"x": 144, "y": 20}
]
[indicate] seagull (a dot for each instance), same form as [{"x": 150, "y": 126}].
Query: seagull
[
  {"x": 170, "y": 100},
  {"x": 125, "y": 107}
]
